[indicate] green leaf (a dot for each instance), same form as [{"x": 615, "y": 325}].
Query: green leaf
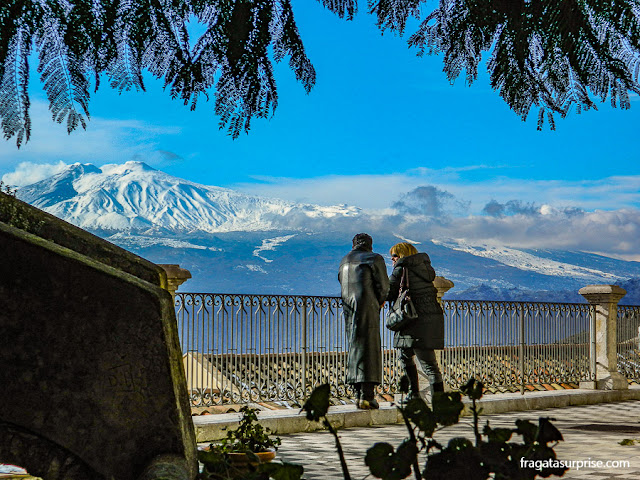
[
  {"x": 544, "y": 453},
  {"x": 498, "y": 435},
  {"x": 421, "y": 415},
  {"x": 282, "y": 471},
  {"x": 500, "y": 457},
  {"x": 210, "y": 456},
  {"x": 528, "y": 431},
  {"x": 447, "y": 407},
  {"x": 378, "y": 459},
  {"x": 404, "y": 458},
  {"x": 547, "y": 431},
  {"x": 459, "y": 443},
  {"x": 384, "y": 463},
  {"x": 214, "y": 461},
  {"x": 472, "y": 389},
  {"x": 317, "y": 404},
  {"x": 460, "y": 460}
]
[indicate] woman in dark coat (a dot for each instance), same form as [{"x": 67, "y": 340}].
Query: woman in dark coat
[{"x": 426, "y": 333}]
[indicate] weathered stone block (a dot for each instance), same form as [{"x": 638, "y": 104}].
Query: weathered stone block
[
  {"x": 357, "y": 418},
  {"x": 90, "y": 362}
]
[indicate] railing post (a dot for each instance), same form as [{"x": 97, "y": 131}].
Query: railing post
[
  {"x": 592, "y": 344},
  {"x": 604, "y": 299},
  {"x": 176, "y": 276},
  {"x": 304, "y": 347},
  {"x": 522, "y": 336},
  {"x": 443, "y": 285}
]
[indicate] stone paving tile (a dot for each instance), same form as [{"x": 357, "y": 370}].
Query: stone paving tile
[{"x": 316, "y": 450}]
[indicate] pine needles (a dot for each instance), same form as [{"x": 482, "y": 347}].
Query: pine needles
[
  {"x": 550, "y": 55},
  {"x": 78, "y": 41}
]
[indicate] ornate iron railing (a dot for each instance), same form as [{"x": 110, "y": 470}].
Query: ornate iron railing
[
  {"x": 250, "y": 348},
  {"x": 628, "y": 334},
  {"x": 513, "y": 345}
]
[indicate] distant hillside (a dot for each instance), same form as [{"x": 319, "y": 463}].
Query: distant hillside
[
  {"x": 233, "y": 242},
  {"x": 487, "y": 292}
]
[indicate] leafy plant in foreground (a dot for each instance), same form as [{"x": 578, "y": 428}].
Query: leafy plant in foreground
[
  {"x": 492, "y": 454},
  {"x": 249, "y": 438}
]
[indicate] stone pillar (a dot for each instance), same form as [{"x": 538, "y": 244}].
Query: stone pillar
[
  {"x": 176, "y": 276},
  {"x": 605, "y": 300},
  {"x": 443, "y": 285}
]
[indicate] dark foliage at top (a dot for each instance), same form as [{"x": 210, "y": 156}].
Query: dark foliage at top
[
  {"x": 554, "y": 54},
  {"x": 550, "y": 54},
  {"x": 79, "y": 40}
]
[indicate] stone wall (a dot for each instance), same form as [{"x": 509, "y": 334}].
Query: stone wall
[{"x": 90, "y": 359}]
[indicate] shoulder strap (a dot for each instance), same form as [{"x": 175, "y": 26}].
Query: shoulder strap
[{"x": 404, "y": 281}]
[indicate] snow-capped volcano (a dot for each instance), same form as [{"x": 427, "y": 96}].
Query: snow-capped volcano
[
  {"x": 134, "y": 196},
  {"x": 238, "y": 243}
]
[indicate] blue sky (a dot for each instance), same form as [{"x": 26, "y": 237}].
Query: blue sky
[{"x": 379, "y": 124}]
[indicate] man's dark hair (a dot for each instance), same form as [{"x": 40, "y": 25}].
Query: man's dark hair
[{"x": 363, "y": 241}]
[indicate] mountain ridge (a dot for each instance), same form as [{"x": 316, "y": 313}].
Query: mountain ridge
[
  {"x": 135, "y": 197},
  {"x": 234, "y": 242}
]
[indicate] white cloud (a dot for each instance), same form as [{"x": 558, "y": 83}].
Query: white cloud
[
  {"x": 377, "y": 192},
  {"x": 546, "y": 209},
  {"x": 27, "y": 173},
  {"x": 609, "y": 232},
  {"x": 539, "y": 221},
  {"x": 104, "y": 141}
]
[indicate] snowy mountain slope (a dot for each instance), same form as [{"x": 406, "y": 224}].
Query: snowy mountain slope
[
  {"x": 307, "y": 263},
  {"x": 238, "y": 243},
  {"x": 524, "y": 260},
  {"x": 136, "y": 197}
]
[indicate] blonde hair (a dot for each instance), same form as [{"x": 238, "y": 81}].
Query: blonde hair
[{"x": 403, "y": 249}]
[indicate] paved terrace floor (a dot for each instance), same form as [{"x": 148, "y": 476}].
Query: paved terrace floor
[{"x": 591, "y": 432}]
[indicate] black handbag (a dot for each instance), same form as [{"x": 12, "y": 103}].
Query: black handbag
[{"x": 402, "y": 313}]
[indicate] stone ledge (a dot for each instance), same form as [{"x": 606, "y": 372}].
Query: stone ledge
[
  {"x": 542, "y": 400},
  {"x": 214, "y": 427}
]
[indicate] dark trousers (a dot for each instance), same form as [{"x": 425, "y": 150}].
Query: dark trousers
[
  {"x": 428, "y": 362},
  {"x": 365, "y": 390}
]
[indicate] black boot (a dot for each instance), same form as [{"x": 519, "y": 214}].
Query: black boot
[
  {"x": 357, "y": 387},
  {"x": 414, "y": 383},
  {"x": 368, "y": 401}
]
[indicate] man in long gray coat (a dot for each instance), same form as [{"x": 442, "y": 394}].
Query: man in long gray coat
[{"x": 364, "y": 283}]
